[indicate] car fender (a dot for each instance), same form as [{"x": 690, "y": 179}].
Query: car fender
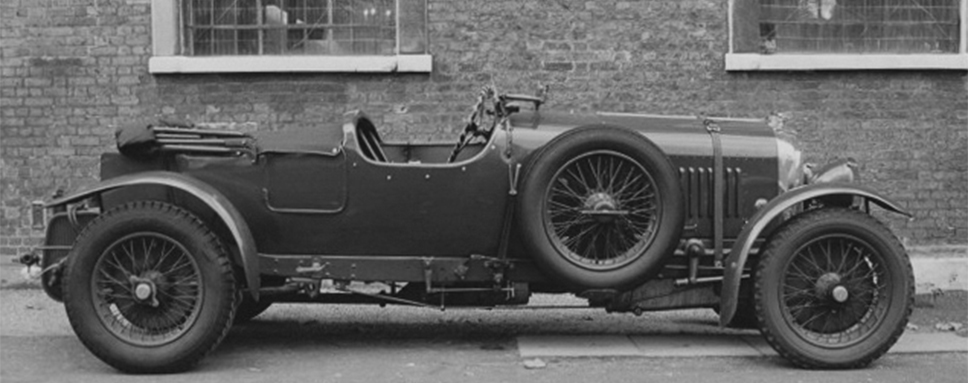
[
  {"x": 247, "y": 257},
  {"x": 755, "y": 226}
]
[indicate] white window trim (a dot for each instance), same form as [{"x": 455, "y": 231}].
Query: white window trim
[
  {"x": 264, "y": 64},
  {"x": 805, "y": 61},
  {"x": 166, "y": 27},
  {"x": 821, "y": 61}
]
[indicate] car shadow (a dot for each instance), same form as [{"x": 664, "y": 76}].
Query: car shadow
[{"x": 293, "y": 325}]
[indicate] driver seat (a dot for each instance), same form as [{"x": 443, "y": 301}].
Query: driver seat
[{"x": 369, "y": 139}]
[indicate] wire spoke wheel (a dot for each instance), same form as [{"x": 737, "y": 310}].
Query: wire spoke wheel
[
  {"x": 834, "y": 289},
  {"x": 600, "y": 207},
  {"x": 602, "y": 210},
  {"x": 147, "y": 289}
]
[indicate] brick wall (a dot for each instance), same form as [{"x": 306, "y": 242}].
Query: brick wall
[{"x": 72, "y": 70}]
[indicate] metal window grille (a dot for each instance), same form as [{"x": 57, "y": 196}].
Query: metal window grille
[
  {"x": 289, "y": 27},
  {"x": 860, "y": 26}
]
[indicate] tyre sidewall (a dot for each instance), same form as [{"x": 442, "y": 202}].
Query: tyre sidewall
[
  {"x": 217, "y": 297},
  {"x": 540, "y": 173},
  {"x": 776, "y": 326}
]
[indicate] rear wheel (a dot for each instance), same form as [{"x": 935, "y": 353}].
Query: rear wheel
[
  {"x": 149, "y": 288},
  {"x": 600, "y": 208},
  {"x": 834, "y": 289}
]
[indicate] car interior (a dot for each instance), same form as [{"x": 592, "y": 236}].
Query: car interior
[{"x": 375, "y": 149}]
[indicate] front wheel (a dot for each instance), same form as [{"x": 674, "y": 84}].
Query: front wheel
[
  {"x": 833, "y": 289},
  {"x": 149, "y": 288}
]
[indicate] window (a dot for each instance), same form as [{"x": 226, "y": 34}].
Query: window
[
  {"x": 847, "y": 34},
  {"x": 289, "y": 35}
]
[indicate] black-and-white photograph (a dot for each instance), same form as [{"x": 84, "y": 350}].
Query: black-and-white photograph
[{"x": 483, "y": 190}]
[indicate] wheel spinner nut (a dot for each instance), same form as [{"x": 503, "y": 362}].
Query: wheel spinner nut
[
  {"x": 142, "y": 291},
  {"x": 840, "y": 294}
]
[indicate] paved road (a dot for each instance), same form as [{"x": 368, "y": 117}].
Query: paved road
[{"x": 399, "y": 344}]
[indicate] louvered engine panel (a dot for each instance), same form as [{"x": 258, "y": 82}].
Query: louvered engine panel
[{"x": 697, "y": 186}]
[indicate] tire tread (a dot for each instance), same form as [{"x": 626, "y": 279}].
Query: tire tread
[
  {"x": 785, "y": 234},
  {"x": 193, "y": 356}
]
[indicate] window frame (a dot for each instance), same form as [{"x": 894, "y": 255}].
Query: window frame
[
  {"x": 838, "y": 61},
  {"x": 166, "y": 35}
]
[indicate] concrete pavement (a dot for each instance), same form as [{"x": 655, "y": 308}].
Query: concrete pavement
[
  {"x": 942, "y": 268},
  {"x": 351, "y": 343},
  {"x": 939, "y": 268},
  {"x": 530, "y": 334},
  {"x": 708, "y": 345}
]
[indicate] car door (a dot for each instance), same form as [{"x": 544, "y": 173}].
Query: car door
[{"x": 424, "y": 209}]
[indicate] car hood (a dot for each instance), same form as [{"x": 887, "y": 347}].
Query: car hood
[{"x": 676, "y": 135}]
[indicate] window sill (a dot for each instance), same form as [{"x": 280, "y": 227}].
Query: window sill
[
  {"x": 270, "y": 64},
  {"x": 814, "y": 62}
]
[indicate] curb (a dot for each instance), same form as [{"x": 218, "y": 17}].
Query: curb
[
  {"x": 933, "y": 272},
  {"x": 11, "y": 277},
  {"x": 691, "y": 346}
]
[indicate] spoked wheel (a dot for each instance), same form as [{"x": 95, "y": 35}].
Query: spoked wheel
[
  {"x": 149, "y": 288},
  {"x": 833, "y": 289},
  {"x": 600, "y": 208}
]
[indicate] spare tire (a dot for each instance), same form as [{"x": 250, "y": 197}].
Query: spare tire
[{"x": 600, "y": 208}]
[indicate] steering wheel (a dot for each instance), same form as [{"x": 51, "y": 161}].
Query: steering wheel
[{"x": 475, "y": 123}]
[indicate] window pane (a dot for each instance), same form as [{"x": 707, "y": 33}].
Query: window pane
[
  {"x": 224, "y": 12},
  {"x": 413, "y": 26},
  {"x": 248, "y": 42},
  {"x": 224, "y": 42},
  {"x": 328, "y": 27},
  {"x": 856, "y": 26},
  {"x": 202, "y": 46},
  {"x": 359, "y": 27}
]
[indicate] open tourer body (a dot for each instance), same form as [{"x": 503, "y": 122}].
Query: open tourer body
[{"x": 191, "y": 230}]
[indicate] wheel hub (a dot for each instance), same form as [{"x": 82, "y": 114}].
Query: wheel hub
[
  {"x": 602, "y": 206},
  {"x": 600, "y": 202},
  {"x": 840, "y": 294},
  {"x": 145, "y": 290},
  {"x": 828, "y": 286}
]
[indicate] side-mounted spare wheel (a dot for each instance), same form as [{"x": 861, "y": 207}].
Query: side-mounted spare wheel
[
  {"x": 833, "y": 289},
  {"x": 149, "y": 288},
  {"x": 600, "y": 208}
]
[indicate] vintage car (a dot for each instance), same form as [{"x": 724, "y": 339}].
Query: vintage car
[{"x": 192, "y": 230}]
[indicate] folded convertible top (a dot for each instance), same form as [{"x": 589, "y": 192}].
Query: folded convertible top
[{"x": 146, "y": 142}]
